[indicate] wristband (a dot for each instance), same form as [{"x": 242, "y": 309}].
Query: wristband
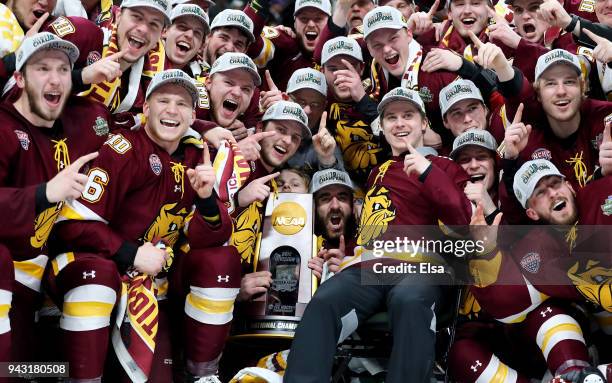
[{"x": 570, "y": 27}]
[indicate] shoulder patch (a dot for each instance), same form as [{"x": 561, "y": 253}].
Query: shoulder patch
[
  {"x": 24, "y": 139},
  {"x": 93, "y": 56},
  {"x": 100, "y": 126},
  {"x": 531, "y": 262},
  {"x": 62, "y": 26},
  {"x": 270, "y": 33},
  {"x": 156, "y": 164},
  {"x": 118, "y": 143}
]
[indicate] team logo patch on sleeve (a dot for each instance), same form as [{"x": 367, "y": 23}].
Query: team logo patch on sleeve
[
  {"x": 62, "y": 26},
  {"x": 155, "y": 163},
  {"x": 270, "y": 33},
  {"x": 531, "y": 262},
  {"x": 93, "y": 57},
  {"x": 541, "y": 154},
  {"x": 23, "y": 138}
]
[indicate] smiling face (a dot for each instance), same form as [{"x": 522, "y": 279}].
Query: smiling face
[
  {"x": 403, "y": 124},
  {"x": 329, "y": 70},
  {"x": 183, "y": 39},
  {"x": 334, "y": 206},
  {"x": 309, "y": 22},
  {"x": 223, "y": 40},
  {"x": 358, "y": 10},
  {"x": 553, "y": 202},
  {"x": 47, "y": 82},
  {"x": 277, "y": 149},
  {"x": 230, "y": 93},
  {"x": 528, "y": 25},
  {"x": 389, "y": 47},
  {"x": 469, "y": 15},
  {"x": 560, "y": 90},
  {"x": 479, "y": 164},
  {"x": 138, "y": 31},
  {"x": 169, "y": 112},
  {"x": 465, "y": 115},
  {"x": 603, "y": 10},
  {"x": 28, "y": 12}
]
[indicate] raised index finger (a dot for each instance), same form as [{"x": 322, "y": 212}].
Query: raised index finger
[
  {"x": 349, "y": 66},
  {"x": 323, "y": 122},
  {"x": 117, "y": 55},
  {"x": 206, "y": 155},
  {"x": 270, "y": 82},
  {"x": 38, "y": 24},
  {"x": 433, "y": 9},
  {"x": 518, "y": 116},
  {"x": 475, "y": 39},
  {"x": 78, "y": 164},
  {"x": 607, "y": 136}
]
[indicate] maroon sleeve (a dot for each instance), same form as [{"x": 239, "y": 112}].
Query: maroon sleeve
[
  {"x": 86, "y": 35},
  {"x": 526, "y": 56},
  {"x": 202, "y": 235},
  {"x": 252, "y": 116},
  {"x": 111, "y": 177},
  {"x": 258, "y": 21},
  {"x": 449, "y": 181},
  {"x": 326, "y": 34}
]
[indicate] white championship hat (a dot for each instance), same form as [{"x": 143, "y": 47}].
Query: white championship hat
[
  {"x": 473, "y": 137},
  {"x": 173, "y": 76},
  {"x": 456, "y": 91},
  {"x": 528, "y": 176},
  {"x": 327, "y": 177},
  {"x": 341, "y": 46},
  {"x": 161, "y": 5},
  {"x": 384, "y": 17},
  {"x": 556, "y": 56},
  {"x": 235, "y": 60},
  {"x": 288, "y": 111},
  {"x": 191, "y": 10},
  {"x": 402, "y": 94},
  {"x": 307, "y": 78},
  {"x": 234, "y": 18},
  {"x": 323, "y": 5},
  {"x": 44, "y": 40}
]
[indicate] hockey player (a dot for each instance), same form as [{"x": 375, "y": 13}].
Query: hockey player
[
  {"x": 44, "y": 132},
  {"x": 98, "y": 247},
  {"x": 342, "y": 302}
]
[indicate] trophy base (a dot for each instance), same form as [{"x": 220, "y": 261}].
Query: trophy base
[{"x": 265, "y": 327}]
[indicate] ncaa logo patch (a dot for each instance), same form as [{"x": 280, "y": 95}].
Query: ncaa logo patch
[
  {"x": 155, "y": 163},
  {"x": 23, "y": 138},
  {"x": 606, "y": 208},
  {"x": 541, "y": 154},
  {"x": 531, "y": 262}
]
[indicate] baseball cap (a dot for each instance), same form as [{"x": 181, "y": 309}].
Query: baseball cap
[
  {"x": 307, "y": 78},
  {"x": 402, "y": 94},
  {"x": 190, "y": 10},
  {"x": 528, "y": 176},
  {"x": 44, "y": 40},
  {"x": 235, "y": 60},
  {"x": 177, "y": 2},
  {"x": 384, "y": 17},
  {"x": 288, "y": 111},
  {"x": 173, "y": 76},
  {"x": 475, "y": 137},
  {"x": 340, "y": 46},
  {"x": 323, "y": 5},
  {"x": 234, "y": 18},
  {"x": 161, "y": 5},
  {"x": 556, "y": 56},
  {"x": 456, "y": 91},
  {"x": 328, "y": 177}
]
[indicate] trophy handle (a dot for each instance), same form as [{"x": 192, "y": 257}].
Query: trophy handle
[{"x": 256, "y": 255}]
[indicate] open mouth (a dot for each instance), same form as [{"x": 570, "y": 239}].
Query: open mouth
[
  {"x": 183, "y": 47},
  {"x": 559, "y": 205},
  {"x": 230, "y": 105},
  {"x": 335, "y": 219},
  {"x": 469, "y": 21},
  {"x": 169, "y": 123},
  {"x": 562, "y": 103},
  {"x": 477, "y": 178},
  {"x": 52, "y": 97},
  {"x": 392, "y": 59},
  {"x": 280, "y": 150},
  {"x": 401, "y": 134},
  {"x": 38, "y": 13},
  {"x": 529, "y": 28},
  {"x": 136, "y": 42},
  {"x": 311, "y": 35}
]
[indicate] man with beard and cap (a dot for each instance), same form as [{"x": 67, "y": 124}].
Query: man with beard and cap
[
  {"x": 281, "y": 53},
  {"x": 403, "y": 191},
  {"x": 44, "y": 132},
  {"x": 117, "y": 236}
]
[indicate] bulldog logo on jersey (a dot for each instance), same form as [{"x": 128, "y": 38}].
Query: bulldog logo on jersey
[
  {"x": 246, "y": 227},
  {"x": 357, "y": 145},
  {"x": 377, "y": 212},
  {"x": 43, "y": 223},
  {"x": 167, "y": 225},
  {"x": 594, "y": 281},
  {"x": 531, "y": 262},
  {"x": 155, "y": 163},
  {"x": 23, "y": 138}
]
